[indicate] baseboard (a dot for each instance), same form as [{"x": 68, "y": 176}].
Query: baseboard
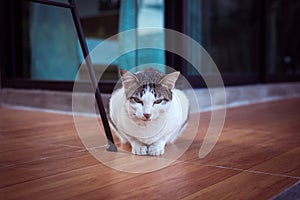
[{"x": 235, "y": 96}]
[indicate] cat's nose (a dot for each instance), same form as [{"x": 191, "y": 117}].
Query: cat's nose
[{"x": 147, "y": 115}]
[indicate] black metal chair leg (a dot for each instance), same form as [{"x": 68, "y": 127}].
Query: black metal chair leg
[{"x": 111, "y": 146}]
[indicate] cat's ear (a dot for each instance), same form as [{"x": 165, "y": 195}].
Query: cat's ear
[
  {"x": 169, "y": 80},
  {"x": 128, "y": 79}
]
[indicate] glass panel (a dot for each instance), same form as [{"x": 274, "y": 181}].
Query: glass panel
[
  {"x": 48, "y": 43},
  {"x": 227, "y": 30},
  {"x": 100, "y": 20},
  {"x": 51, "y": 50},
  {"x": 151, "y": 14},
  {"x": 142, "y": 14},
  {"x": 53, "y": 43},
  {"x": 283, "y": 39}
]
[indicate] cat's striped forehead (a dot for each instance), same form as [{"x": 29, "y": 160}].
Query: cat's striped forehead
[
  {"x": 149, "y": 76},
  {"x": 149, "y": 80},
  {"x": 157, "y": 90}
]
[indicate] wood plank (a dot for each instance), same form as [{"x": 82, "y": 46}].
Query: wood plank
[
  {"x": 244, "y": 186},
  {"x": 287, "y": 164},
  {"x": 245, "y": 143},
  {"x": 65, "y": 185},
  {"x": 173, "y": 182},
  {"x": 36, "y": 169}
]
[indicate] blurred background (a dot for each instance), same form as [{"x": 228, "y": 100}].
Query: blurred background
[{"x": 251, "y": 41}]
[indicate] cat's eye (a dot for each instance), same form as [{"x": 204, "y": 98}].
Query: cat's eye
[
  {"x": 137, "y": 100},
  {"x": 158, "y": 101}
]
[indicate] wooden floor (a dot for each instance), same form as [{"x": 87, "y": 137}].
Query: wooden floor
[{"x": 256, "y": 157}]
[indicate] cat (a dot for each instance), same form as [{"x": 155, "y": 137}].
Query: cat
[{"x": 147, "y": 111}]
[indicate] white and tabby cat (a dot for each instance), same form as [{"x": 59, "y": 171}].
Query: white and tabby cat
[{"x": 148, "y": 111}]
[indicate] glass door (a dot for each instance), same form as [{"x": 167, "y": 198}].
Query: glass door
[{"x": 45, "y": 51}]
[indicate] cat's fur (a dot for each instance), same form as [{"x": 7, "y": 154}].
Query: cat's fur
[{"x": 148, "y": 111}]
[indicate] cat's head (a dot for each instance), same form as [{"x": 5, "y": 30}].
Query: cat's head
[{"x": 148, "y": 93}]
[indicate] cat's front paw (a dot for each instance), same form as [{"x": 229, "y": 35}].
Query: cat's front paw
[
  {"x": 140, "y": 150},
  {"x": 156, "y": 150}
]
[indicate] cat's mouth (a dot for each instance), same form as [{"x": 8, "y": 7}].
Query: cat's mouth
[{"x": 137, "y": 119}]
